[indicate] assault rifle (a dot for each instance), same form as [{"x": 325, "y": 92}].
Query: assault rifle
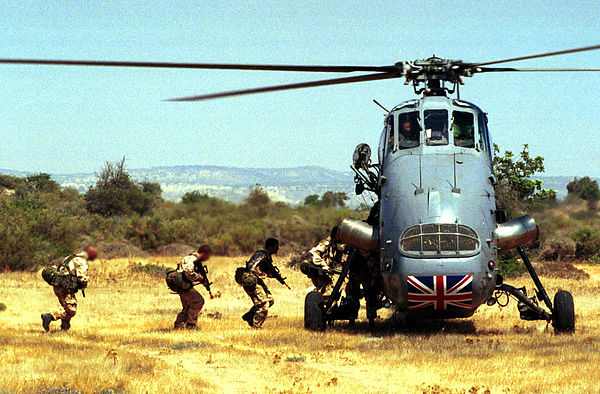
[
  {"x": 203, "y": 270},
  {"x": 275, "y": 273}
]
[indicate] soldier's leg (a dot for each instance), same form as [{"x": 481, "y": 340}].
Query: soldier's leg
[
  {"x": 195, "y": 304},
  {"x": 261, "y": 302},
  {"x": 68, "y": 303},
  {"x": 181, "y": 316}
]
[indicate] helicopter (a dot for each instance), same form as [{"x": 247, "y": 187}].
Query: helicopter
[{"x": 432, "y": 239}]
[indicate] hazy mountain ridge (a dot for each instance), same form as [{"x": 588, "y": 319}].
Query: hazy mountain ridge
[{"x": 290, "y": 185}]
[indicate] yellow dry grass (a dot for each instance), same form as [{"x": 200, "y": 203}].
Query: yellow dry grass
[{"x": 122, "y": 340}]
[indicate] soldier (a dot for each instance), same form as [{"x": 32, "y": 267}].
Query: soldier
[
  {"x": 326, "y": 255},
  {"x": 191, "y": 300},
  {"x": 76, "y": 265},
  {"x": 259, "y": 267}
]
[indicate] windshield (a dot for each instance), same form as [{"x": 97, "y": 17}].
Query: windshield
[
  {"x": 436, "y": 127},
  {"x": 463, "y": 129},
  {"x": 409, "y": 130}
]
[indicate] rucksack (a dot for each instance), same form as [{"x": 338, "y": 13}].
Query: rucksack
[
  {"x": 239, "y": 273},
  {"x": 60, "y": 276},
  {"x": 177, "y": 281}
]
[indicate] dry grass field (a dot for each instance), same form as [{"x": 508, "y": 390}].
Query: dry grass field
[{"x": 121, "y": 341}]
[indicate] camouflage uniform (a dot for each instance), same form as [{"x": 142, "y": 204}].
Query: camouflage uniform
[
  {"x": 77, "y": 267},
  {"x": 326, "y": 254},
  {"x": 191, "y": 300},
  {"x": 258, "y": 268}
]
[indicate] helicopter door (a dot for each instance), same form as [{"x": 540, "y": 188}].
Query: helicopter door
[{"x": 436, "y": 127}]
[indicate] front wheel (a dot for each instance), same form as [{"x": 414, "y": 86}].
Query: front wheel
[
  {"x": 563, "y": 317},
  {"x": 313, "y": 311}
]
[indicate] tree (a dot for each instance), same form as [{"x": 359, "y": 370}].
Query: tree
[
  {"x": 257, "y": 196},
  {"x": 585, "y": 188},
  {"x": 516, "y": 189},
  {"x": 313, "y": 199},
  {"x": 329, "y": 199},
  {"x": 116, "y": 193},
  {"x": 194, "y": 197},
  {"x": 334, "y": 199}
]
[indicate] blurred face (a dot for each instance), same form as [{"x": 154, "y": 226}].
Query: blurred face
[
  {"x": 204, "y": 256},
  {"x": 406, "y": 127},
  {"x": 92, "y": 253}
]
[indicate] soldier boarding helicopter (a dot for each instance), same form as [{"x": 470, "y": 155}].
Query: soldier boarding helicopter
[{"x": 434, "y": 234}]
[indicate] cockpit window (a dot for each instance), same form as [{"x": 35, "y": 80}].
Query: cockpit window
[
  {"x": 391, "y": 140},
  {"x": 484, "y": 138},
  {"x": 463, "y": 129},
  {"x": 409, "y": 130},
  {"x": 436, "y": 127}
]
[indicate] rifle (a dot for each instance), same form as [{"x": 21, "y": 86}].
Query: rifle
[
  {"x": 203, "y": 270},
  {"x": 275, "y": 273}
]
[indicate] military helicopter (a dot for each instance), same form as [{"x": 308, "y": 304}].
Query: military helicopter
[{"x": 431, "y": 242}]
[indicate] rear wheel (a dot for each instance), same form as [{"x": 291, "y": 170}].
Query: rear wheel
[
  {"x": 563, "y": 317},
  {"x": 313, "y": 311}
]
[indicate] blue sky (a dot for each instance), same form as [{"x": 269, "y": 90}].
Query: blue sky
[{"x": 65, "y": 119}]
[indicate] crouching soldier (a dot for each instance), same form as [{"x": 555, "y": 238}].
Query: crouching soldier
[
  {"x": 328, "y": 255},
  {"x": 259, "y": 267},
  {"x": 66, "y": 279},
  {"x": 191, "y": 271}
]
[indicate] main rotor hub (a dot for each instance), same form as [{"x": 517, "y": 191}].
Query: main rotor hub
[{"x": 435, "y": 76}]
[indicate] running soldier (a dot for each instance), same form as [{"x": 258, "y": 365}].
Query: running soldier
[
  {"x": 259, "y": 267},
  {"x": 191, "y": 267},
  {"x": 73, "y": 273}
]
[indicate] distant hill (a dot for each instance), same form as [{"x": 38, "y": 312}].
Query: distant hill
[{"x": 290, "y": 185}]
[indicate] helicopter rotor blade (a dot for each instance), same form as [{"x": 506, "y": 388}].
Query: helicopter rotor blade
[
  {"x": 214, "y": 66},
  {"x": 300, "y": 85},
  {"x": 555, "y": 53},
  {"x": 510, "y": 69}
]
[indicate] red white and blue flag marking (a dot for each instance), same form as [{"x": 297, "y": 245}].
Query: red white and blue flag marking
[{"x": 440, "y": 292}]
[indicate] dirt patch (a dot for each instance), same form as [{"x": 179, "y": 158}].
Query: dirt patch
[
  {"x": 175, "y": 250},
  {"x": 118, "y": 249},
  {"x": 561, "y": 269}
]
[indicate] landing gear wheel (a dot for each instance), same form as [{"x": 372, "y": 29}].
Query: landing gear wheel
[
  {"x": 313, "y": 311},
  {"x": 563, "y": 318}
]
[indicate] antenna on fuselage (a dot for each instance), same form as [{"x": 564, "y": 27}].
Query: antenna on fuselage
[{"x": 382, "y": 107}]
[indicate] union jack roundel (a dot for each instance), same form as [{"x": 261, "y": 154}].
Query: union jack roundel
[{"x": 440, "y": 292}]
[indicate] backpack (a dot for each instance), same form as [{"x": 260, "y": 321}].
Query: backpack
[
  {"x": 239, "y": 273},
  {"x": 60, "y": 276},
  {"x": 177, "y": 281}
]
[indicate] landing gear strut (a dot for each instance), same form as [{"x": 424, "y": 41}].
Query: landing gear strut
[{"x": 561, "y": 314}]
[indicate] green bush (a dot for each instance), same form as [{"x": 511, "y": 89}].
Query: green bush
[
  {"x": 587, "y": 242},
  {"x": 509, "y": 265}
]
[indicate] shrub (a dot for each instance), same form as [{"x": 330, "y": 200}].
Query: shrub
[
  {"x": 555, "y": 249},
  {"x": 587, "y": 241},
  {"x": 509, "y": 265}
]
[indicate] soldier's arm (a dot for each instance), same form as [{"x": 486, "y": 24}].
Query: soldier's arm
[
  {"x": 79, "y": 269},
  {"x": 255, "y": 264},
  {"x": 317, "y": 254}
]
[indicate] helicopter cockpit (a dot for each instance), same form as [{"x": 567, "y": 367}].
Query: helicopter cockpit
[{"x": 435, "y": 123}]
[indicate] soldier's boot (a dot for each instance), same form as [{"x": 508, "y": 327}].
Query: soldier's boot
[
  {"x": 248, "y": 317},
  {"x": 46, "y": 320},
  {"x": 189, "y": 326},
  {"x": 65, "y": 325}
]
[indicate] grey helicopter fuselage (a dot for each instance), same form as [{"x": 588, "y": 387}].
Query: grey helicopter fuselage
[{"x": 437, "y": 208}]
